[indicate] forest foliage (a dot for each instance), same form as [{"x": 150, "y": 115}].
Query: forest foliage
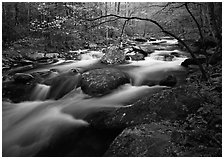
[{"x": 60, "y": 26}]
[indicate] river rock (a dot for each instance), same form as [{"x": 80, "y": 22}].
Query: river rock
[
  {"x": 188, "y": 62},
  {"x": 140, "y": 39},
  {"x": 135, "y": 57},
  {"x": 20, "y": 69},
  {"x": 140, "y": 50},
  {"x": 101, "y": 81},
  {"x": 113, "y": 55},
  {"x": 169, "y": 104},
  {"x": 163, "y": 139},
  {"x": 22, "y": 77},
  {"x": 169, "y": 81},
  {"x": 146, "y": 140},
  {"x": 17, "y": 92}
]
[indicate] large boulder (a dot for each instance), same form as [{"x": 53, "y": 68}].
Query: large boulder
[
  {"x": 99, "y": 82},
  {"x": 22, "y": 77},
  {"x": 17, "y": 92},
  {"x": 164, "y": 139},
  {"x": 169, "y": 104},
  {"x": 113, "y": 55},
  {"x": 146, "y": 140},
  {"x": 188, "y": 62}
]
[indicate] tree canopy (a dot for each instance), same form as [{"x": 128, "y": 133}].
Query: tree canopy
[{"x": 66, "y": 25}]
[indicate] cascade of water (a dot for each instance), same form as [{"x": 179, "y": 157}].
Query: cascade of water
[
  {"x": 40, "y": 92},
  {"x": 29, "y": 126}
]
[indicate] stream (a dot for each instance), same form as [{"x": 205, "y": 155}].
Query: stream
[{"x": 48, "y": 127}]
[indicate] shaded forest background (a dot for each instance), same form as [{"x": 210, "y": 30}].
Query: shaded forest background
[{"x": 61, "y": 26}]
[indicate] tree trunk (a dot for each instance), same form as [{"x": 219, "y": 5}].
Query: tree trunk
[
  {"x": 212, "y": 22},
  {"x": 3, "y": 13},
  {"x": 115, "y": 7},
  {"x": 107, "y": 30},
  {"x": 16, "y": 13},
  {"x": 118, "y": 7}
]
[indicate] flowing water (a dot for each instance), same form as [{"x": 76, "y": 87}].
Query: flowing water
[{"x": 29, "y": 127}]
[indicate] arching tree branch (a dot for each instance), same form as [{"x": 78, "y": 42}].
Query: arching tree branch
[
  {"x": 204, "y": 75},
  {"x": 111, "y": 20}
]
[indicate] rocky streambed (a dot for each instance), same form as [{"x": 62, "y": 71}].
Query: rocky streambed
[{"x": 128, "y": 101}]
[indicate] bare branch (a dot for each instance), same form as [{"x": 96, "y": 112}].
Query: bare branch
[
  {"x": 111, "y": 20},
  {"x": 164, "y": 7}
]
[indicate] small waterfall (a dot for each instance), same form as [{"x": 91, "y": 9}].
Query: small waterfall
[
  {"x": 30, "y": 126},
  {"x": 40, "y": 92}
]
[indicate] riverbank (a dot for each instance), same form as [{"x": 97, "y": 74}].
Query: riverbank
[{"x": 182, "y": 121}]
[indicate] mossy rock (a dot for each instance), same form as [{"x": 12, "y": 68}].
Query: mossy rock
[
  {"x": 99, "y": 82},
  {"x": 113, "y": 55}
]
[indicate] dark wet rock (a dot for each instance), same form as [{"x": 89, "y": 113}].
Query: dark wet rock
[
  {"x": 158, "y": 43},
  {"x": 140, "y": 39},
  {"x": 169, "y": 81},
  {"x": 40, "y": 77},
  {"x": 188, "y": 62},
  {"x": 43, "y": 59},
  {"x": 171, "y": 104},
  {"x": 17, "y": 92},
  {"x": 147, "y": 49},
  {"x": 135, "y": 57},
  {"x": 20, "y": 69},
  {"x": 113, "y": 55},
  {"x": 140, "y": 51},
  {"x": 146, "y": 140},
  {"x": 168, "y": 57},
  {"x": 136, "y": 53},
  {"x": 164, "y": 139},
  {"x": 102, "y": 81},
  {"x": 54, "y": 60},
  {"x": 23, "y": 77}
]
